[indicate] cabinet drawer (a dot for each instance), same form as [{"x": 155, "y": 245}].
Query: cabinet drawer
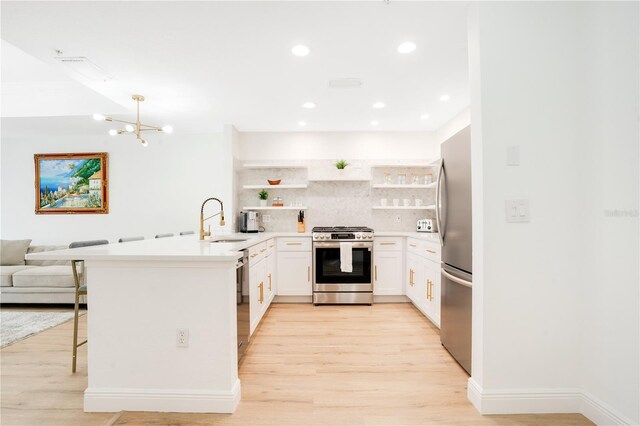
[
  {"x": 426, "y": 249},
  {"x": 257, "y": 252},
  {"x": 294, "y": 244},
  {"x": 415, "y": 246},
  {"x": 271, "y": 246},
  {"x": 431, "y": 250},
  {"x": 387, "y": 243}
]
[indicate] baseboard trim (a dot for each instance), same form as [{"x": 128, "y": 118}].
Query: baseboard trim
[
  {"x": 158, "y": 400},
  {"x": 537, "y": 401},
  {"x": 601, "y": 413}
]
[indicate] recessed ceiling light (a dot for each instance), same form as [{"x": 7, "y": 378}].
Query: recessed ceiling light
[
  {"x": 445, "y": 98},
  {"x": 407, "y": 47},
  {"x": 302, "y": 123},
  {"x": 378, "y": 105},
  {"x": 375, "y": 123},
  {"x": 308, "y": 105},
  {"x": 300, "y": 50},
  {"x": 424, "y": 116}
]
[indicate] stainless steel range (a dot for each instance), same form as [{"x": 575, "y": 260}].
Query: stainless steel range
[{"x": 333, "y": 282}]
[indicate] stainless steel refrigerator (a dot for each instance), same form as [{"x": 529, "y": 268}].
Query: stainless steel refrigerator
[{"x": 453, "y": 217}]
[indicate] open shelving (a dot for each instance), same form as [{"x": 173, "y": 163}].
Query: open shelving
[
  {"x": 403, "y": 186},
  {"x": 267, "y": 186},
  {"x": 430, "y": 207},
  {"x": 341, "y": 179},
  {"x": 274, "y": 208},
  {"x": 282, "y": 165}
]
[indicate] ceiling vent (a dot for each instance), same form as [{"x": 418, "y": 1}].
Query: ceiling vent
[
  {"x": 345, "y": 83},
  {"x": 84, "y": 67}
]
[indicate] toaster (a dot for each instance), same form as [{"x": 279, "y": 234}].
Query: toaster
[{"x": 425, "y": 225}]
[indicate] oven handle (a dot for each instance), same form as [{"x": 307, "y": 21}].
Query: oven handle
[{"x": 337, "y": 245}]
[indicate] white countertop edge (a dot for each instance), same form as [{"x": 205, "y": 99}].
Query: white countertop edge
[{"x": 188, "y": 248}]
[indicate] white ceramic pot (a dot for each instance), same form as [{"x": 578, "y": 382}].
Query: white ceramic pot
[{"x": 263, "y": 203}]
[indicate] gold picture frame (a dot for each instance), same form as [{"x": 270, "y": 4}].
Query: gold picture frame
[{"x": 74, "y": 183}]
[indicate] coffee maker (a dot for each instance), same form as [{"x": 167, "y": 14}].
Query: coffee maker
[{"x": 249, "y": 222}]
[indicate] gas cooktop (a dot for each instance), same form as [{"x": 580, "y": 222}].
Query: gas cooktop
[{"x": 321, "y": 233}]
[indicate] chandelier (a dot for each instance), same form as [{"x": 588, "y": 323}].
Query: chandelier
[{"x": 134, "y": 127}]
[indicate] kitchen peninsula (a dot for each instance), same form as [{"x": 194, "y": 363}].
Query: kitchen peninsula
[{"x": 140, "y": 294}]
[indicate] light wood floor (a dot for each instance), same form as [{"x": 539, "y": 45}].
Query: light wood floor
[{"x": 306, "y": 365}]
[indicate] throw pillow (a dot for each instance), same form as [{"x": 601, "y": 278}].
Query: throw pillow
[{"x": 12, "y": 252}]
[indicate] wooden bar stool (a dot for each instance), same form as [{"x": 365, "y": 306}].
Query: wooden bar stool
[{"x": 79, "y": 279}]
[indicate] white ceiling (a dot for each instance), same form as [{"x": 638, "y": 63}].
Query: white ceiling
[{"x": 204, "y": 64}]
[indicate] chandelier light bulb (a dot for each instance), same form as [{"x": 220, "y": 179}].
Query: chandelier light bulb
[
  {"x": 99, "y": 117},
  {"x": 144, "y": 143},
  {"x": 113, "y": 132},
  {"x": 167, "y": 129},
  {"x": 129, "y": 128}
]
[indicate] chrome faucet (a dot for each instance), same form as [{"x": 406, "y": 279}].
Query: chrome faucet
[{"x": 202, "y": 218}]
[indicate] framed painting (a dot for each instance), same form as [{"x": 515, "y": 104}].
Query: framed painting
[{"x": 72, "y": 183}]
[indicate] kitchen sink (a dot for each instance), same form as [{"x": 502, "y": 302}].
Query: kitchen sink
[{"x": 229, "y": 240}]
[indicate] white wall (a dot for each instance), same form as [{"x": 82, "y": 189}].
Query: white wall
[
  {"x": 337, "y": 145},
  {"x": 153, "y": 190},
  {"x": 453, "y": 126},
  {"x": 609, "y": 122},
  {"x": 556, "y": 299}
]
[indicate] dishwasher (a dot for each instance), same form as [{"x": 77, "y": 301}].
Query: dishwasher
[{"x": 242, "y": 303}]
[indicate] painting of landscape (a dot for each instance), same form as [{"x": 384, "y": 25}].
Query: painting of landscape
[{"x": 71, "y": 183}]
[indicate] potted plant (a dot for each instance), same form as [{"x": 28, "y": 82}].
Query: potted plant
[
  {"x": 341, "y": 164},
  {"x": 263, "y": 196}
]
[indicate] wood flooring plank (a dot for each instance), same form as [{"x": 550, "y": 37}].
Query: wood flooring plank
[{"x": 306, "y": 365}]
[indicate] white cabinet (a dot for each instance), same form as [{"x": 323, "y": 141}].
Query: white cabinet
[
  {"x": 423, "y": 279},
  {"x": 414, "y": 277},
  {"x": 294, "y": 273},
  {"x": 271, "y": 274},
  {"x": 432, "y": 282},
  {"x": 257, "y": 274},
  {"x": 388, "y": 276}
]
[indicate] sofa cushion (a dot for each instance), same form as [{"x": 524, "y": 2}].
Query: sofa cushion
[
  {"x": 40, "y": 249},
  {"x": 12, "y": 252},
  {"x": 6, "y": 273},
  {"x": 44, "y": 276}
]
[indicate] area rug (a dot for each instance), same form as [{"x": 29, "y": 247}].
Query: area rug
[{"x": 17, "y": 325}]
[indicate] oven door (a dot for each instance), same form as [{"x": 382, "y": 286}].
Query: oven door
[{"x": 327, "y": 274}]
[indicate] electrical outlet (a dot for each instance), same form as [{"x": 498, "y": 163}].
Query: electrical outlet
[
  {"x": 266, "y": 218},
  {"x": 182, "y": 338},
  {"x": 397, "y": 218}
]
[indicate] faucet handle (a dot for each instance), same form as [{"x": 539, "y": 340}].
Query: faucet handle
[{"x": 208, "y": 234}]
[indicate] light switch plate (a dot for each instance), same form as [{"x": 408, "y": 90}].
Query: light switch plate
[
  {"x": 513, "y": 155},
  {"x": 517, "y": 211}
]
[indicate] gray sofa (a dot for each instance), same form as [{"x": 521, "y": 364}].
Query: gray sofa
[{"x": 36, "y": 281}]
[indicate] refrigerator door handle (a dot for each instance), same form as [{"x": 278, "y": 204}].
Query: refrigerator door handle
[
  {"x": 438, "y": 201},
  {"x": 456, "y": 279}
]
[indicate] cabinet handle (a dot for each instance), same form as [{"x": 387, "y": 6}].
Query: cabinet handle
[
  {"x": 260, "y": 287},
  {"x": 271, "y": 246},
  {"x": 254, "y": 254},
  {"x": 375, "y": 272},
  {"x": 431, "y": 251},
  {"x": 308, "y": 273},
  {"x": 269, "y": 282},
  {"x": 387, "y": 244},
  {"x": 263, "y": 250},
  {"x": 294, "y": 244},
  {"x": 411, "y": 277},
  {"x": 428, "y": 290},
  {"x": 413, "y": 245}
]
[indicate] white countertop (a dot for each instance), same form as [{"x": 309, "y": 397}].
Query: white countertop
[{"x": 187, "y": 248}]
